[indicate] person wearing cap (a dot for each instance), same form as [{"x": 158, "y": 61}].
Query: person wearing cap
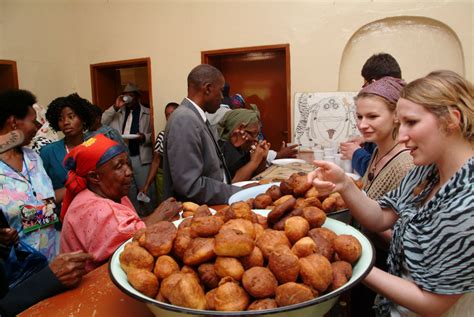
[
  {"x": 97, "y": 215},
  {"x": 133, "y": 120},
  {"x": 194, "y": 166}
]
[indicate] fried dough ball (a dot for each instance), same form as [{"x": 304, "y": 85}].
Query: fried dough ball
[
  {"x": 233, "y": 243},
  {"x": 261, "y": 304},
  {"x": 161, "y": 298},
  {"x": 211, "y": 299},
  {"x": 274, "y": 192},
  {"x": 300, "y": 203},
  {"x": 136, "y": 257},
  {"x": 200, "y": 250},
  {"x": 138, "y": 234},
  {"x": 238, "y": 210},
  {"x": 280, "y": 225},
  {"x": 259, "y": 230},
  {"x": 190, "y": 206},
  {"x": 279, "y": 211},
  {"x": 169, "y": 283},
  {"x": 314, "y": 202},
  {"x": 300, "y": 185},
  {"x": 185, "y": 223},
  {"x": 190, "y": 270},
  {"x": 261, "y": 220},
  {"x": 262, "y": 201},
  {"x": 143, "y": 281},
  {"x": 270, "y": 240},
  {"x": 340, "y": 203},
  {"x": 187, "y": 214},
  {"x": 312, "y": 192},
  {"x": 285, "y": 188},
  {"x": 316, "y": 271},
  {"x": 227, "y": 266},
  {"x": 208, "y": 275},
  {"x": 259, "y": 282},
  {"x": 229, "y": 296},
  {"x": 165, "y": 266},
  {"x": 182, "y": 241},
  {"x": 328, "y": 234},
  {"x": 341, "y": 273},
  {"x": 323, "y": 246},
  {"x": 188, "y": 293},
  {"x": 296, "y": 228},
  {"x": 304, "y": 247},
  {"x": 293, "y": 293},
  {"x": 242, "y": 225},
  {"x": 329, "y": 204},
  {"x": 282, "y": 199},
  {"x": 253, "y": 259},
  {"x": 202, "y": 211},
  {"x": 158, "y": 238},
  {"x": 222, "y": 211},
  {"x": 284, "y": 264},
  {"x": 206, "y": 226},
  {"x": 315, "y": 216},
  {"x": 348, "y": 248},
  {"x": 359, "y": 183}
]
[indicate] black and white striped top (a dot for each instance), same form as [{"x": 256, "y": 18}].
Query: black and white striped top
[
  {"x": 434, "y": 241},
  {"x": 159, "y": 148}
]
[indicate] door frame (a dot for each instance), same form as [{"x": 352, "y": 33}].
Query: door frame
[
  {"x": 94, "y": 68},
  {"x": 12, "y": 64},
  {"x": 205, "y": 55}
]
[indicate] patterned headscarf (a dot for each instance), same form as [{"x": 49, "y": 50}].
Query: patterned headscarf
[
  {"x": 237, "y": 101},
  {"x": 232, "y": 119},
  {"x": 85, "y": 158},
  {"x": 386, "y": 87}
]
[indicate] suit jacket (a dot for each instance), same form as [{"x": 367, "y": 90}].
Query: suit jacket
[
  {"x": 115, "y": 119},
  {"x": 192, "y": 168}
]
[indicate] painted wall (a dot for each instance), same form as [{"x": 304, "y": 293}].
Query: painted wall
[{"x": 55, "y": 41}]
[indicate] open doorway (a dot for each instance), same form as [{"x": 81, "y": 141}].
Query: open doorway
[
  {"x": 109, "y": 79},
  {"x": 261, "y": 74},
  {"x": 8, "y": 75}
]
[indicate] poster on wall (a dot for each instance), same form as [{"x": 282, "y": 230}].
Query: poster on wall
[{"x": 324, "y": 119}]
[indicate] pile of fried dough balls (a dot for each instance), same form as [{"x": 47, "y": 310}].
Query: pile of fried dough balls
[
  {"x": 304, "y": 194},
  {"x": 235, "y": 260}
]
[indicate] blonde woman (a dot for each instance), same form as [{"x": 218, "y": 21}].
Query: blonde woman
[{"x": 431, "y": 267}]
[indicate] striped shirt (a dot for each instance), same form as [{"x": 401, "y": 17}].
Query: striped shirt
[
  {"x": 159, "y": 146},
  {"x": 434, "y": 241}
]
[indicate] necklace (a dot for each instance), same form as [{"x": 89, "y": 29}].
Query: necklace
[{"x": 371, "y": 174}]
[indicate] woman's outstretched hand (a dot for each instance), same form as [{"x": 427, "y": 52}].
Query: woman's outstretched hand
[{"x": 328, "y": 177}]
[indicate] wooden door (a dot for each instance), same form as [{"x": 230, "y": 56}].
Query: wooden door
[
  {"x": 8, "y": 75},
  {"x": 262, "y": 76}
]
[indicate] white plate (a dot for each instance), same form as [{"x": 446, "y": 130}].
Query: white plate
[
  {"x": 243, "y": 183},
  {"x": 354, "y": 176},
  {"x": 287, "y": 161},
  {"x": 251, "y": 192},
  {"x": 130, "y": 136},
  {"x": 315, "y": 307}
]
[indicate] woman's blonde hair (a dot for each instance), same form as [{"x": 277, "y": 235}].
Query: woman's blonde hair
[{"x": 441, "y": 92}]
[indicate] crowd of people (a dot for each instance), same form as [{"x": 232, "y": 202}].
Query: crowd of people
[{"x": 76, "y": 201}]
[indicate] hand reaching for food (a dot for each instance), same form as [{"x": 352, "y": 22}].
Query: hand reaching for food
[{"x": 328, "y": 178}]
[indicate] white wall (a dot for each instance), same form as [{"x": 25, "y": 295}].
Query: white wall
[{"x": 54, "y": 42}]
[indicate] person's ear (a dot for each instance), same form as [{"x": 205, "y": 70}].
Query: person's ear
[
  {"x": 93, "y": 177},
  {"x": 453, "y": 120},
  {"x": 207, "y": 88},
  {"x": 11, "y": 121}
]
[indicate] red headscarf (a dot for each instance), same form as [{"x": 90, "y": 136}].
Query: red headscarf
[{"x": 83, "y": 159}]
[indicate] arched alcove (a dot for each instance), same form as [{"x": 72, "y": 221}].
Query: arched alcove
[{"x": 419, "y": 44}]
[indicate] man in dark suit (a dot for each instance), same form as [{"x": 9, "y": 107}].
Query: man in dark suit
[{"x": 194, "y": 168}]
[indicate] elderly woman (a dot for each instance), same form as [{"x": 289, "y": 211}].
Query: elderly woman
[
  {"x": 27, "y": 195},
  {"x": 96, "y": 212},
  {"x": 72, "y": 117},
  {"x": 431, "y": 267},
  {"x": 244, "y": 156}
]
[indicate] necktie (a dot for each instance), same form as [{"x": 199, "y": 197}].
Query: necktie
[{"x": 219, "y": 152}]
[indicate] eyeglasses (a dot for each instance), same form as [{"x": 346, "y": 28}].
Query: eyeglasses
[{"x": 253, "y": 134}]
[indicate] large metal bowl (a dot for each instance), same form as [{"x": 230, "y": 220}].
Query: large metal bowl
[
  {"x": 252, "y": 192},
  {"x": 315, "y": 307}
]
